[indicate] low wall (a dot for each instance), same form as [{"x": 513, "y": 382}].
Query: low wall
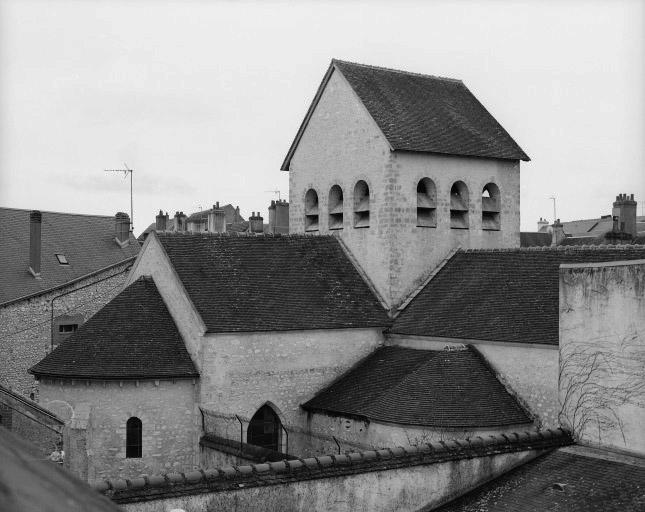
[{"x": 391, "y": 479}]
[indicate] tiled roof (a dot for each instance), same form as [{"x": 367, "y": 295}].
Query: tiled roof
[
  {"x": 432, "y": 388},
  {"x": 500, "y": 295},
  {"x": 535, "y": 239},
  {"x": 561, "y": 481},
  {"x": 87, "y": 241},
  {"x": 133, "y": 336},
  {"x": 422, "y": 113},
  {"x": 267, "y": 283}
]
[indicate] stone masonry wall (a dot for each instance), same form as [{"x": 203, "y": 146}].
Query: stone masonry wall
[
  {"x": 25, "y": 332},
  {"x": 167, "y": 410},
  {"x": 342, "y": 145}
]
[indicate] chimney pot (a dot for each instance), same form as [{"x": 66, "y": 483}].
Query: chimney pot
[
  {"x": 35, "y": 242},
  {"x": 122, "y": 227}
]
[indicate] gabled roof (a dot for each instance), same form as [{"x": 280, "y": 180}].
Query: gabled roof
[
  {"x": 87, "y": 242},
  {"x": 272, "y": 282},
  {"x": 421, "y": 113},
  {"x": 563, "y": 480},
  {"x": 500, "y": 295},
  {"x": 432, "y": 388},
  {"x": 132, "y": 337}
]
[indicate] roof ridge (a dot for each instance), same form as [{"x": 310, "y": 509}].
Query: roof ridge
[
  {"x": 595, "y": 247},
  {"x": 400, "y": 71},
  {"x": 57, "y": 213}
]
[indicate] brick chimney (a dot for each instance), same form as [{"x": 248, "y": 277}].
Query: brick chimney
[
  {"x": 35, "y": 242},
  {"x": 122, "y": 228},
  {"x": 217, "y": 220},
  {"x": 279, "y": 217},
  {"x": 180, "y": 222},
  {"x": 256, "y": 223},
  {"x": 542, "y": 225},
  {"x": 161, "y": 221},
  {"x": 557, "y": 233},
  {"x": 624, "y": 214}
]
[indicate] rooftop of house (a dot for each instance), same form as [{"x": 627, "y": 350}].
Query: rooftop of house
[
  {"x": 535, "y": 239},
  {"x": 574, "y": 479},
  {"x": 422, "y": 113},
  {"x": 431, "y": 388},
  {"x": 593, "y": 227},
  {"x": 507, "y": 295},
  {"x": 132, "y": 337},
  {"x": 87, "y": 243},
  {"x": 272, "y": 282}
]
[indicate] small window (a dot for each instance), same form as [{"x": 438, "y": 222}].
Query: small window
[
  {"x": 67, "y": 328},
  {"x": 62, "y": 259},
  {"x": 361, "y": 205},
  {"x": 426, "y": 203},
  {"x": 336, "y": 207},
  {"x": 491, "y": 207},
  {"x": 459, "y": 205},
  {"x": 311, "y": 210},
  {"x": 133, "y": 433}
]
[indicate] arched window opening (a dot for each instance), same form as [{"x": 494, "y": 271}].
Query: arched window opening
[
  {"x": 133, "y": 431},
  {"x": 361, "y": 205},
  {"x": 311, "y": 210},
  {"x": 336, "y": 207},
  {"x": 265, "y": 429},
  {"x": 459, "y": 205},
  {"x": 426, "y": 203},
  {"x": 491, "y": 207}
]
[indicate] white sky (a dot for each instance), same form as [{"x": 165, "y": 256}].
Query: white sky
[{"x": 203, "y": 99}]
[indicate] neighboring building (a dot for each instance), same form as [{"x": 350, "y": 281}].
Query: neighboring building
[
  {"x": 75, "y": 262},
  {"x": 404, "y": 168}
]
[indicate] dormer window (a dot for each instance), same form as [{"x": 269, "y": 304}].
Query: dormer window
[
  {"x": 459, "y": 205},
  {"x": 491, "y": 207},
  {"x": 67, "y": 328},
  {"x": 311, "y": 210},
  {"x": 336, "y": 207},
  {"x": 426, "y": 203},
  {"x": 62, "y": 259},
  {"x": 361, "y": 205}
]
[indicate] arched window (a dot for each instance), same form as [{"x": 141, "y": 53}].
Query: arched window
[
  {"x": 490, "y": 207},
  {"x": 133, "y": 430},
  {"x": 265, "y": 429},
  {"x": 426, "y": 203},
  {"x": 311, "y": 210},
  {"x": 459, "y": 205},
  {"x": 361, "y": 205},
  {"x": 336, "y": 207}
]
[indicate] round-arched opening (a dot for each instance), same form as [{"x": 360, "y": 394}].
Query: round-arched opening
[
  {"x": 426, "y": 203},
  {"x": 459, "y": 205},
  {"x": 311, "y": 210},
  {"x": 336, "y": 207},
  {"x": 133, "y": 435},
  {"x": 265, "y": 429},
  {"x": 491, "y": 207},
  {"x": 361, "y": 205}
]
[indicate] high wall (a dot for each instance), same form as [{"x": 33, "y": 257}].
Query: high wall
[
  {"x": 602, "y": 353},
  {"x": 342, "y": 145},
  {"x": 25, "y": 332},
  {"x": 96, "y": 433}
]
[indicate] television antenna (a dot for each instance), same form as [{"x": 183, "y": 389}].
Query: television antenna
[
  {"x": 125, "y": 172},
  {"x": 555, "y": 217},
  {"x": 274, "y": 192}
]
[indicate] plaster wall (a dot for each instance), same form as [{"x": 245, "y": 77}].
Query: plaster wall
[
  {"x": 602, "y": 353},
  {"x": 97, "y": 428},
  {"x": 528, "y": 371},
  {"x": 342, "y": 145}
]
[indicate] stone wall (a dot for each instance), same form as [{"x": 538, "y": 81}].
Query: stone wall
[
  {"x": 25, "y": 326},
  {"x": 96, "y": 437},
  {"x": 342, "y": 145},
  {"x": 602, "y": 353}
]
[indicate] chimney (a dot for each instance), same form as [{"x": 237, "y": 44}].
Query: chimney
[
  {"x": 161, "y": 221},
  {"x": 256, "y": 223},
  {"x": 35, "y": 223},
  {"x": 180, "y": 222},
  {"x": 279, "y": 217},
  {"x": 625, "y": 210},
  {"x": 122, "y": 228},
  {"x": 217, "y": 220},
  {"x": 543, "y": 224},
  {"x": 557, "y": 233}
]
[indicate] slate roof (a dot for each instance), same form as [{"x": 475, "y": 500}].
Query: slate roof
[
  {"x": 535, "y": 239},
  {"x": 132, "y": 337},
  {"x": 270, "y": 283},
  {"x": 422, "y": 113},
  {"x": 87, "y": 241},
  {"x": 506, "y": 295},
  {"x": 432, "y": 388},
  {"x": 589, "y": 484}
]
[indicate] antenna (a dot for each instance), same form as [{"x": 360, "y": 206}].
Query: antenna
[
  {"x": 125, "y": 175},
  {"x": 274, "y": 192},
  {"x": 555, "y": 217}
]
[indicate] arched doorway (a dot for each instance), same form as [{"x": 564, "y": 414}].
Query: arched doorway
[{"x": 264, "y": 429}]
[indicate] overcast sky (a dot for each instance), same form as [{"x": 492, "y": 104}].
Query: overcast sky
[{"x": 203, "y": 99}]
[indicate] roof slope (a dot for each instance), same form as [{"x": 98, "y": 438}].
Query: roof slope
[
  {"x": 500, "y": 295},
  {"x": 87, "y": 241},
  {"x": 535, "y": 239},
  {"x": 422, "y": 113},
  {"x": 431, "y": 388},
  {"x": 133, "y": 336},
  {"x": 590, "y": 484},
  {"x": 268, "y": 283}
]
